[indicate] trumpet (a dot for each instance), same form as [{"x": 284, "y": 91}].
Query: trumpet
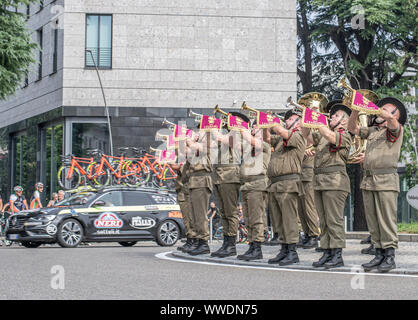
[
  {"x": 151, "y": 149},
  {"x": 219, "y": 110},
  {"x": 195, "y": 115},
  {"x": 169, "y": 123},
  {"x": 252, "y": 112},
  {"x": 297, "y": 108}
]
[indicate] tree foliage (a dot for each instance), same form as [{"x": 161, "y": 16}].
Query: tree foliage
[{"x": 16, "y": 47}]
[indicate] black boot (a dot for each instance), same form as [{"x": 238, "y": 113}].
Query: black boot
[
  {"x": 222, "y": 248},
  {"x": 319, "y": 249},
  {"x": 281, "y": 255},
  {"x": 368, "y": 240},
  {"x": 254, "y": 254},
  {"x": 274, "y": 241},
  {"x": 291, "y": 257},
  {"x": 186, "y": 246},
  {"x": 302, "y": 239},
  {"x": 310, "y": 243},
  {"x": 389, "y": 260},
  {"x": 336, "y": 259},
  {"x": 202, "y": 248},
  {"x": 194, "y": 243},
  {"x": 229, "y": 250},
  {"x": 377, "y": 260},
  {"x": 370, "y": 250},
  {"x": 325, "y": 258},
  {"x": 250, "y": 249}
]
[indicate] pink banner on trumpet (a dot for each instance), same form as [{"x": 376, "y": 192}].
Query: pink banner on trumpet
[
  {"x": 167, "y": 156},
  {"x": 236, "y": 123},
  {"x": 181, "y": 132},
  {"x": 210, "y": 123},
  {"x": 265, "y": 120},
  {"x": 313, "y": 119},
  {"x": 361, "y": 103}
]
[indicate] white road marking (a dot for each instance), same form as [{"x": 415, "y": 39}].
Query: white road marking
[{"x": 164, "y": 256}]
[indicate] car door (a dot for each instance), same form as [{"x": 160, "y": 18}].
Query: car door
[
  {"x": 106, "y": 216},
  {"x": 141, "y": 212}
]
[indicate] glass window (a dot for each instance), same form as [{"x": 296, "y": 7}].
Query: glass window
[
  {"x": 40, "y": 41},
  {"x": 90, "y": 135},
  {"x": 111, "y": 199},
  {"x": 4, "y": 165},
  {"x": 76, "y": 199},
  {"x": 99, "y": 40},
  {"x": 136, "y": 199},
  {"x": 53, "y": 150},
  {"x": 55, "y": 51}
]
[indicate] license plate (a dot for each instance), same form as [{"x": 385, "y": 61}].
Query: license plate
[{"x": 13, "y": 236}]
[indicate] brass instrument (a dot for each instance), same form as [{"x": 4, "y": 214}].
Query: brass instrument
[
  {"x": 252, "y": 112},
  {"x": 315, "y": 101},
  {"x": 297, "y": 108},
  {"x": 169, "y": 123},
  {"x": 358, "y": 145},
  {"x": 151, "y": 149},
  {"x": 195, "y": 115},
  {"x": 216, "y": 110}
]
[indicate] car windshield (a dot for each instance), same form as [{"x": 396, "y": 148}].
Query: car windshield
[{"x": 77, "y": 199}]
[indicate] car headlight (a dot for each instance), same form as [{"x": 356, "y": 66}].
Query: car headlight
[{"x": 48, "y": 218}]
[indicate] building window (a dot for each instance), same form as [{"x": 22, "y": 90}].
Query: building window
[
  {"x": 55, "y": 51},
  {"x": 40, "y": 41},
  {"x": 98, "y": 41},
  {"x": 27, "y": 11}
]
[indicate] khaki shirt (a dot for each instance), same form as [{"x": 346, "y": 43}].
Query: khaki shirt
[
  {"x": 287, "y": 159},
  {"x": 381, "y": 154},
  {"x": 252, "y": 169},
  {"x": 228, "y": 169},
  {"x": 200, "y": 164},
  {"x": 307, "y": 168},
  {"x": 328, "y": 155},
  {"x": 182, "y": 181}
]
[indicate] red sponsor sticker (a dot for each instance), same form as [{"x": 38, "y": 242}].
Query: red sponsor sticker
[
  {"x": 175, "y": 214},
  {"x": 108, "y": 220}
]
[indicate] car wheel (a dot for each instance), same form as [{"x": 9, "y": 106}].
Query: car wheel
[
  {"x": 128, "y": 244},
  {"x": 29, "y": 244},
  {"x": 168, "y": 233},
  {"x": 70, "y": 233}
]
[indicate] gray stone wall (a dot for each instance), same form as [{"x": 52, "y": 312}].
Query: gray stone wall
[{"x": 186, "y": 54}]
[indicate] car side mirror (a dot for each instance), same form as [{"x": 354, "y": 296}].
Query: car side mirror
[{"x": 99, "y": 203}]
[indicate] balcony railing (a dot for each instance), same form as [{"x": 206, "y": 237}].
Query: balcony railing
[{"x": 102, "y": 57}]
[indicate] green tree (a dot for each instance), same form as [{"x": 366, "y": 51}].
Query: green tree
[
  {"x": 375, "y": 43},
  {"x": 16, "y": 48}
]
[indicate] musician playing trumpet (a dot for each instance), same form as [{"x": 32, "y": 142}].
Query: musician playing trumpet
[{"x": 332, "y": 184}]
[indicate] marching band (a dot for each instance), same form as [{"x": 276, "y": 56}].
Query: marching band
[{"x": 294, "y": 168}]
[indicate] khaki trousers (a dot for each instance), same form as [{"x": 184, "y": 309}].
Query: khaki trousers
[
  {"x": 185, "y": 207},
  {"x": 227, "y": 195},
  {"x": 284, "y": 213},
  {"x": 307, "y": 211},
  {"x": 254, "y": 211},
  {"x": 330, "y": 205},
  {"x": 381, "y": 216},
  {"x": 199, "y": 200}
]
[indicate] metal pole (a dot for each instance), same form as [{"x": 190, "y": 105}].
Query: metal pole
[{"x": 104, "y": 99}]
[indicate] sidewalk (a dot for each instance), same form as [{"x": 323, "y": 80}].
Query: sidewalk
[{"x": 406, "y": 258}]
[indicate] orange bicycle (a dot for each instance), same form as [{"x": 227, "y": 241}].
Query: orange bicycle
[{"x": 72, "y": 171}]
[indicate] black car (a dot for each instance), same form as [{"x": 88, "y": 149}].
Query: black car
[{"x": 123, "y": 215}]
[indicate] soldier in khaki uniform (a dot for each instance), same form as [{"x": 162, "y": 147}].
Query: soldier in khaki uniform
[
  {"x": 200, "y": 187},
  {"x": 307, "y": 210},
  {"x": 256, "y": 158},
  {"x": 380, "y": 183},
  {"x": 284, "y": 172},
  {"x": 332, "y": 184},
  {"x": 227, "y": 183},
  {"x": 183, "y": 199}
]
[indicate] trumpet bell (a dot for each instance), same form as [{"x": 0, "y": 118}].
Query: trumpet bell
[
  {"x": 314, "y": 100},
  {"x": 166, "y": 122},
  {"x": 219, "y": 110}
]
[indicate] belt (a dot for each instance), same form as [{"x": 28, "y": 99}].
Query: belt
[
  {"x": 293, "y": 176},
  {"x": 226, "y": 165},
  {"x": 252, "y": 178},
  {"x": 330, "y": 169},
  {"x": 369, "y": 173},
  {"x": 199, "y": 174}
]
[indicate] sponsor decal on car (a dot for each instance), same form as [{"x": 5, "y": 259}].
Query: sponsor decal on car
[
  {"x": 175, "y": 214},
  {"x": 151, "y": 208},
  {"x": 51, "y": 229},
  {"x": 108, "y": 220},
  {"x": 163, "y": 199},
  {"x": 108, "y": 231},
  {"x": 142, "y": 222}
]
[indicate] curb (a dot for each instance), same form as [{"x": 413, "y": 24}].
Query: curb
[
  {"x": 236, "y": 262},
  {"x": 404, "y": 237}
]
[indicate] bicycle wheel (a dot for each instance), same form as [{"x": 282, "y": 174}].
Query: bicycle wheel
[
  {"x": 68, "y": 184},
  {"x": 169, "y": 179},
  {"x": 134, "y": 173},
  {"x": 99, "y": 179}
]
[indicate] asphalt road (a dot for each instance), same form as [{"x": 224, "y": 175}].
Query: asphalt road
[{"x": 114, "y": 272}]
